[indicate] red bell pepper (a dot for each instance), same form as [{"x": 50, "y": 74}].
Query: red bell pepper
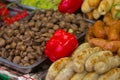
[
  {"x": 69, "y": 6},
  {"x": 60, "y": 45},
  {"x": 3, "y": 10},
  {"x": 12, "y": 19}
]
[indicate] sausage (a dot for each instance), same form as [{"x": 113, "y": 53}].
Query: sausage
[
  {"x": 113, "y": 74},
  {"x": 105, "y": 6},
  {"x": 96, "y": 14},
  {"x": 106, "y": 45},
  {"x": 98, "y": 42},
  {"x": 106, "y": 30},
  {"x": 101, "y": 55},
  {"x": 118, "y": 79},
  {"x": 80, "y": 59},
  {"x": 89, "y": 34},
  {"x": 113, "y": 34},
  {"x": 98, "y": 29},
  {"x": 112, "y": 46},
  {"x": 107, "y": 64},
  {"x": 79, "y": 76},
  {"x": 85, "y": 8},
  {"x": 118, "y": 52},
  {"x": 80, "y": 48},
  {"x": 56, "y": 67},
  {"x": 94, "y": 4},
  {"x": 108, "y": 19},
  {"x": 66, "y": 73},
  {"x": 91, "y": 76}
]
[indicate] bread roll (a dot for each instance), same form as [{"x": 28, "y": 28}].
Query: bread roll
[
  {"x": 80, "y": 59},
  {"x": 113, "y": 74},
  {"x": 56, "y": 67},
  {"x": 101, "y": 55}
]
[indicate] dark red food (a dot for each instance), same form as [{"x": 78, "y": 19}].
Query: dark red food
[{"x": 69, "y": 6}]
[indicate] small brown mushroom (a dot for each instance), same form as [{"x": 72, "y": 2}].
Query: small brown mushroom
[
  {"x": 46, "y": 34},
  {"x": 4, "y": 54},
  {"x": 29, "y": 49},
  {"x": 26, "y": 59},
  {"x": 13, "y": 44},
  {"x": 56, "y": 27},
  {"x": 10, "y": 32},
  {"x": 16, "y": 23},
  {"x": 32, "y": 61},
  {"x": 17, "y": 59},
  {"x": 22, "y": 47},
  {"x": 31, "y": 56},
  {"x": 31, "y": 23},
  {"x": 2, "y": 42}
]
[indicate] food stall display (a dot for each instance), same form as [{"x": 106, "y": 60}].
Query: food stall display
[{"x": 64, "y": 39}]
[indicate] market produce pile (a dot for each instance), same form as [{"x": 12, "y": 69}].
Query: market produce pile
[
  {"x": 41, "y": 4},
  {"x": 86, "y": 63},
  {"x": 23, "y": 42}
]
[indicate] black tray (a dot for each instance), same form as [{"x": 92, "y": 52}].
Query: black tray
[{"x": 22, "y": 69}]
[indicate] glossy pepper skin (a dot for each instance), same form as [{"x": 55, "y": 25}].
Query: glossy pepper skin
[
  {"x": 60, "y": 45},
  {"x": 69, "y": 6},
  {"x": 3, "y": 10}
]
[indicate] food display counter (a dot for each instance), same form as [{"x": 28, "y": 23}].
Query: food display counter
[{"x": 59, "y": 40}]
